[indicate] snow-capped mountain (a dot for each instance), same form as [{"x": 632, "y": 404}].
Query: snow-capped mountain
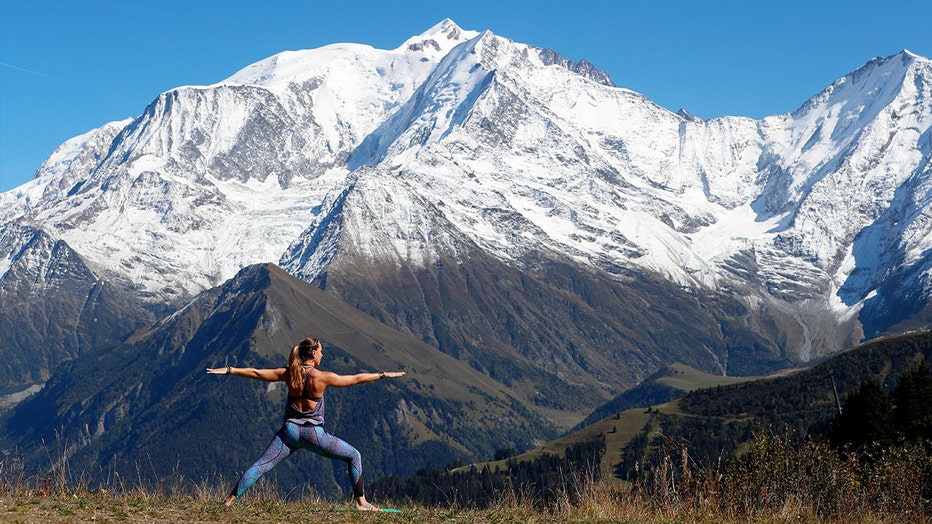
[
  {"x": 351, "y": 162},
  {"x": 180, "y": 203}
]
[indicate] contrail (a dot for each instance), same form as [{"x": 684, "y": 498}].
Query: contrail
[{"x": 30, "y": 71}]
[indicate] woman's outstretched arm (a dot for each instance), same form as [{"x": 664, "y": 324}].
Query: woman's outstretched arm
[
  {"x": 268, "y": 375},
  {"x": 341, "y": 381}
]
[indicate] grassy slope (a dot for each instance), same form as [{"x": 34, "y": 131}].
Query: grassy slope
[
  {"x": 687, "y": 379},
  {"x": 879, "y": 357},
  {"x": 620, "y": 428}
]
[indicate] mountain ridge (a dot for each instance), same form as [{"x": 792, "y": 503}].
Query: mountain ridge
[{"x": 147, "y": 399}]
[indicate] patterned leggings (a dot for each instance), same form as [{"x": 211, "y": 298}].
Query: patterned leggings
[{"x": 291, "y": 437}]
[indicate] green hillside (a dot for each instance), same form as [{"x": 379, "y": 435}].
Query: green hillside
[
  {"x": 715, "y": 417},
  {"x": 619, "y": 428},
  {"x": 685, "y": 378}
]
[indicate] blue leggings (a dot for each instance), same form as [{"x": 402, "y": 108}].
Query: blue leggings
[{"x": 291, "y": 437}]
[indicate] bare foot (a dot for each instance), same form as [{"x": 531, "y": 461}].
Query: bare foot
[
  {"x": 363, "y": 505},
  {"x": 229, "y": 500}
]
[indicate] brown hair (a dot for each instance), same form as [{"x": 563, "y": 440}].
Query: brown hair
[{"x": 303, "y": 351}]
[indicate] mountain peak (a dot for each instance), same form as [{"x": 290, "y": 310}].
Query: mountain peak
[
  {"x": 870, "y": 87},
  {"x": 446, "y": 28},
  {"x": 896, "y": 65},
  {"x": 907, "y": 54},
  {"x": 288, "y": 67},
  {"x": 438, "y": 40}
]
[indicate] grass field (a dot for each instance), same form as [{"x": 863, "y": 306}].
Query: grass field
[
  {"x": 35, "y": 508},
  {"x": 821, "y": 489}
]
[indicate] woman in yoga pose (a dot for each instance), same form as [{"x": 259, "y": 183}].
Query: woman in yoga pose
[{"x": 304, "y": 415}]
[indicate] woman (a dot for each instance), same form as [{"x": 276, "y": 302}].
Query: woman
[{"x": 304, "y": 415}]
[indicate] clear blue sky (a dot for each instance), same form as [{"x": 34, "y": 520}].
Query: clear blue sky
[{"x": 69, "y": 66}]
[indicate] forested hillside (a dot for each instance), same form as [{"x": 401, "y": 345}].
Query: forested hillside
[{"x": 884, "y": 394}]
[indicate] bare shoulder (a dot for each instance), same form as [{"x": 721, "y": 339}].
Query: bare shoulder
[
  {"x": 325, "y": 376},
  {"x": 271, "y": 375}
]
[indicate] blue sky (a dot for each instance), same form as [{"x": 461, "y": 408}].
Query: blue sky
[{"x": 67, "y": 67}]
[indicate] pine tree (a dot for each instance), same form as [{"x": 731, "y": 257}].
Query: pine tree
[
  {"x": 866, "y": 419},
  {"x": 912, "y": 400}
]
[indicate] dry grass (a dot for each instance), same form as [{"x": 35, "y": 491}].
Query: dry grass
[
  {"x": 777, "y": 481},
  {"x": 598, "y": 505}
]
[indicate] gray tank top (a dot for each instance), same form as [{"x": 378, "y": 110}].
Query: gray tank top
[{"x": 315, "y": 417}]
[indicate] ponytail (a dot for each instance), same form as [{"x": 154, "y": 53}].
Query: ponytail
[
  {"x": 294, "y": 369},
  {"x": 300, "y": 353}
]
